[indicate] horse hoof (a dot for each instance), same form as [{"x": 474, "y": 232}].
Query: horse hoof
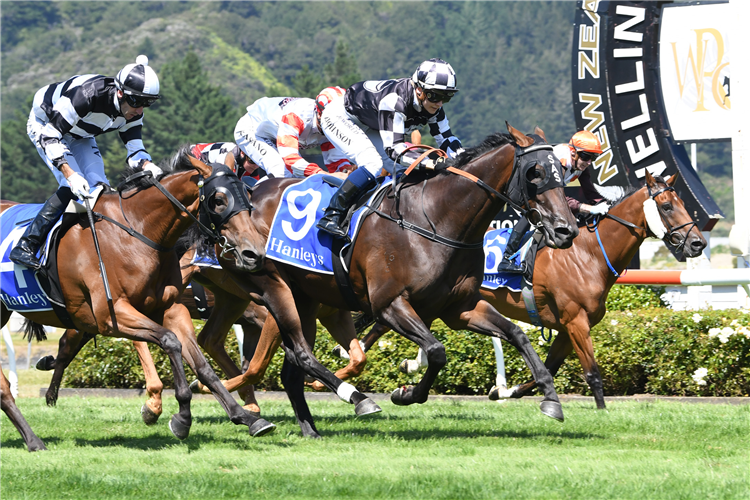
[
  {"x": 261, "y": 427},
  {"x": 179, "y": 429},
  {"x": 499, "y": 393},
  {"x": 552, "y": 409},
  {"x": 340, "y": 352},
  {"x": 398, "y": 397},
  {"x": 366, "y": 407},
  {"x": 148, "y": 416},
  {"x": 46, "y": 363},
  {"x": 195, "y": 386}
]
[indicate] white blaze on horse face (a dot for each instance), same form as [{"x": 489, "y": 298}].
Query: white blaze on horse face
[
  {"x": 653, "y": 219},
  {"x": 307, "y": 213}
]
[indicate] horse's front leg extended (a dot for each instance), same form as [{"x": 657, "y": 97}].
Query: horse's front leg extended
[
  {"x": 403, "y": 319},
  {"x": 177, "y": 319},
  {"x": 71, "y": 343},
  {"x": 8, "y": 405},
  {"x": 479, "y": 316},
  {"x": 152, "y": 408}
]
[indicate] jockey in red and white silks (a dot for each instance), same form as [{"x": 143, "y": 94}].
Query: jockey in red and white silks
[{"x": 275, "y": 129}]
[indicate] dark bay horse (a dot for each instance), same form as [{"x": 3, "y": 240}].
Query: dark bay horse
[
  {"x": 8, "y": 405},
  {"x": 571, "y": 286},
  {"x": 405, "y": 279},
  {"x": 144, "y": 273}
]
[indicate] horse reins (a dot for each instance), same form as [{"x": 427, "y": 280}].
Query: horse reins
[
  {"x": 432, "y": 235},
  {"x": 670, "y": 234}
]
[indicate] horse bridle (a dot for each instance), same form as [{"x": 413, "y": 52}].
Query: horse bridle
[
  {"x": 671, "y": 237},
  {"x": 229, "y": 185}
]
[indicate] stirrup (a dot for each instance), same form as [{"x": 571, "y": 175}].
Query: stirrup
[
  {"x": 331, "y": 227},
  {"x": 507, "y": 266}
]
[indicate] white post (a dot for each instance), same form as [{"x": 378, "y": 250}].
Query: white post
[
  {"x": 13, "y": 375},
  {"x": 240, "y": 338},
  {"x": 694, "y": 155}
]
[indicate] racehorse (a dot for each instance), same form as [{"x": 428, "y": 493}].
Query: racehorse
[
  {"x": 144, "y": 274},
  {"x": 8, "y": 405},
  {"x": 224, "y": 297},
  {"x": 406, "y": 276},
  {"x": 571, "y": 286}
]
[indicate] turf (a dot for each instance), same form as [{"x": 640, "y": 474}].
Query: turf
[{"x": 100, "y": 449}]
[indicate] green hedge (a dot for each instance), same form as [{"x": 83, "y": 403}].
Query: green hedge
[{"x": 640, "y": 349}]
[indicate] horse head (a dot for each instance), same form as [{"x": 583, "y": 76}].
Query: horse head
[
  {"x": 225, "y": 208},
  {"x": 537, "y": 185},
  {"x": 667, "y": 218}
]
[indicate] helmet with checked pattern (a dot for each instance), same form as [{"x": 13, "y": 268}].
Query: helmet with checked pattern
[{"x": 435, "y": 74}]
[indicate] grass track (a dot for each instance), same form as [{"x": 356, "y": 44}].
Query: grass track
[{"x": 100, "y": 449}]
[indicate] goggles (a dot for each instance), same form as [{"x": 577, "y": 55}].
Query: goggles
[
  {"x": 138, "y": 101},
  {"x": 587, "y": 156},
  {"x": 434, "y": 96}
]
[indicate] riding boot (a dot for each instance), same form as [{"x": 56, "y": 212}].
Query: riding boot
[
  {"x": 358, "y": 181},
  {"x": 24, "y": 253},
  {"x": 514, "y": 242}
]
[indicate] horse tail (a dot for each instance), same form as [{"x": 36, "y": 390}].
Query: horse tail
[{"x": 33, "y": 330}]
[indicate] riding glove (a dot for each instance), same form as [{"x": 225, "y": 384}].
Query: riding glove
[
  {"x": 79, "y": 186},
  {"x": 599, "y": 209},
  {"x": 153, "y": 169}
]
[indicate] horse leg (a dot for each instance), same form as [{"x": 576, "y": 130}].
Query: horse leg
[
  {"x": 293, "y": 378},
  {"x": 177, "y": 319},
  {"x": 268, "y": 344},
  {"x": 152, "y": 408},
  {"x": 403, "y": 319},
  {"x": 341, "y": 327},
  {"x": 482, "y": 318},
  {"x": 558, "y": 351},
  {"x": 8, "y": 404},
  {"x": 280, "y": 301},
  {"x": 579, "y": 334},
  {"x": 71, "y": 343},
  {"x": 377, "y": 331}
]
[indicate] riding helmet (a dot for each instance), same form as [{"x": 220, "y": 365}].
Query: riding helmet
[
  {"x": 586, "y": 141},
  {"x": 435, "y": 74},
  {"x": 138, "y": 79}
]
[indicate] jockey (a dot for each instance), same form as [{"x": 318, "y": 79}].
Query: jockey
[
  {"x": 65, "y": 119},
  {"x": 576, "y": 156},
  {"x": 369, "y": 123},
  {"x": 226, "y": 153},
  {"x": 276, "y": 128}
]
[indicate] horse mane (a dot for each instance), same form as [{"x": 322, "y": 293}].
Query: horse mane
[
  {"x": 179, "y": 162},
  {"x": 628, "y": 192},
  {"x": 493, "y": 141}
]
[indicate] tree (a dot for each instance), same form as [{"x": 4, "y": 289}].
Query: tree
[
  {"x": 191, "y": 110},
  {"x": 307, "y": 83},
  {"x": 343, "y": 72}
]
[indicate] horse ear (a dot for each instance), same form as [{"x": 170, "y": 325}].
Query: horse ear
[
  {"x": 649, "y": 178},
  {"x": 229, "y": 161},
  {"x": 540, "y": 133},
  {"x": 520, "y": 139},
  {"x": 202, "y": 168},
  {"x": 671, "y": 181}
]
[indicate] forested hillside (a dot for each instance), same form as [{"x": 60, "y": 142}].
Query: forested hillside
[{"x": 214, "y": 58}]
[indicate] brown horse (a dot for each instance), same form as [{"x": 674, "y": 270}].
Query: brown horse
[
  {"x": 8, "y": 405},
  {"x": 406, "y": 276},
  {"x": 144, "y": 274},
  {"x": 576, "y": 303}
]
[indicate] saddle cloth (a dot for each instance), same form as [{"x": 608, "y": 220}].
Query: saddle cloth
[
  {"x": 20, "y": 288},
  {"x": 294, "y": 237},
  {"x": 495, "y": 242}
]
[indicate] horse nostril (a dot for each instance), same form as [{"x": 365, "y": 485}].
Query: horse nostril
[
  {"x": 563, "y": 232},
  {"x": 249, "y": 255}
]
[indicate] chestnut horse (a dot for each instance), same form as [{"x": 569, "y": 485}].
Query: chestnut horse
[
  {"x": 576, "y": 303},
  {"x": 144, "y": 273},
  {"x": 571, "y": 287},
  {"x": 406, "y": 276}
]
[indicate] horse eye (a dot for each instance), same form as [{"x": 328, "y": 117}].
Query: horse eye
[
  {"x": 218, "y": 203},
  {"x": 535, "y": 174},
  {"x": 667, "y": 207}
]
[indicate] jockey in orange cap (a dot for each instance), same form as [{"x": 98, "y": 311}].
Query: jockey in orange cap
[{"x": 576, "y": 156}]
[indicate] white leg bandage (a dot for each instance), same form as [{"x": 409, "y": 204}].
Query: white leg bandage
[{"x": 345, "y": 392}]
